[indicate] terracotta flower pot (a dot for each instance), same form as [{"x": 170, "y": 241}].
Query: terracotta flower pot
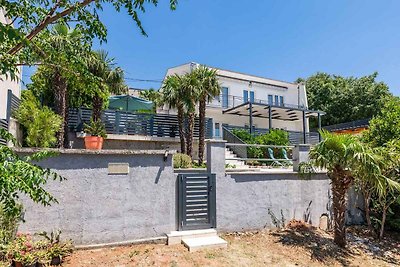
[{"x": 93, "y": 142}]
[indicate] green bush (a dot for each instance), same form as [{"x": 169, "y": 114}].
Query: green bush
[
  {"x": 41, "y": 123},
  {"x": 274, "y": 137},
  {"x": 182, "y": 161},
  {"x": 9, "y": 225}
]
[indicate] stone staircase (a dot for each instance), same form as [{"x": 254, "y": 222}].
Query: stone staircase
[
  {"x": 195, "y": 240},
  {"x": 232, "y": 156}
]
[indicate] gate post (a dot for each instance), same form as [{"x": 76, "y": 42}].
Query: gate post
[
  {"x": 300, "y": 154},
  {"x": 215, "y": 156}
]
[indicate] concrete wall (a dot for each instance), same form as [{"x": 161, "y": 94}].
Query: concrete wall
[
  {"x": 95, "y": 207},
  {"x": 137, "y": 142},
  {"x": 244, "y": 200}
]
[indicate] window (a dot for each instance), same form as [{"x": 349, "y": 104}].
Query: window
[
  {"x": 225, "y": 91},
  {"x": 217, "y": 132},
  {"x": 251, "y": 96},
  {"x": 270, "y": 99},
  {"x": 276, "y": 100},
  {"x": 245, "y": 96},
  {"x": 281, "y": 102}
]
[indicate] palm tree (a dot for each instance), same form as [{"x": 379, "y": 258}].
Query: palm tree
[
  {"x": 62, "y": 40},
  {"x": 190, "y": 97},
  {"x": 343, "y": 156},
  {"x": 208, "y": 89},
  {"x": 173, "y": 96},
  {"x": 109, "y": 80}
]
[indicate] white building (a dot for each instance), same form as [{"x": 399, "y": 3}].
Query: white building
[
  {"x": 8, "y": 84},
  {"x": 273, "y": 104}
]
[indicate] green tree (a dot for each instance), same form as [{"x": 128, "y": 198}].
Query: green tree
[
  {"x": 66, "y": 47},
  {"x": 342, "y": 156},
  {"x": 208, "y": 89},
  {"x": 20, "y": 175},
  {"x": 41, "y": 123},
  {"x": 109, "y": 79},
  {"x": 32, "y": 18},
  {"x": 153, "y": 96},
  {"x": 173, "y": 95},
  {"x": 190, "y": 97},
  {"x": 358, "y": 98},
  {"x": 385, "y": 126}
]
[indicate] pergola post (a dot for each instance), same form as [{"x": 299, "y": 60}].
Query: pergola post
[
  {"x": 304, "y": 128},
  {"x": 251, "y": 117},
  {"x": 269, "y": 119},
  {"x": 319, "y": 127}
]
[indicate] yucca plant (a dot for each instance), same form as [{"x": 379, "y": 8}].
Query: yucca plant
[{"x": 95, "y": 128}]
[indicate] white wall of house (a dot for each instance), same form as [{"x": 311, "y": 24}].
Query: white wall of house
[
  {"x": 262, "y": 88},
  {"x": 6, "y": 84}
]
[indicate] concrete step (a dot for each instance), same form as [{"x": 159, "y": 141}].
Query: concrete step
[
  {"x": 175, "y": 237},
  {"x": 197, "y": 243}
]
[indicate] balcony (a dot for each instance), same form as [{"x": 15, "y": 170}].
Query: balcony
[{"x": 231, "y": 101}]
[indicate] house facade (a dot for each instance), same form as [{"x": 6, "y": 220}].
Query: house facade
[
  {"x": 274, "y": 104},
  {"x": 7, "y": 84}
]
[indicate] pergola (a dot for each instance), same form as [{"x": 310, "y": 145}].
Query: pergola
[{"x": 276, "y": 112}]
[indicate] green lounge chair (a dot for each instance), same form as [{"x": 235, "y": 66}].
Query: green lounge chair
[{"x": 274, "y": 161}]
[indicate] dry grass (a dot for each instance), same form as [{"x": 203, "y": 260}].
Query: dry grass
[{"x": 298, "y": 245}]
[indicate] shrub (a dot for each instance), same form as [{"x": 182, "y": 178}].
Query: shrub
[
  {"x": 275, "y": 137},
  {"x": 41, "y": 123},
  {"x": 9, "y": 224},
  {"x": 182, "y": 161}
]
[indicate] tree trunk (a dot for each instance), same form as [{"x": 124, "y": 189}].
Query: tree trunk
[
  {"x": 340, "y": 184},
  {"x": 60, "y": 99},
  {"x": 97, "y": 108},
  {"x": 189, "y": 134},
  {"x": 202, "y": 126},
  {"x": 367, "y": 199},
  {"x": 181, "y": 129},
  {"x": 381, "y": 232}
]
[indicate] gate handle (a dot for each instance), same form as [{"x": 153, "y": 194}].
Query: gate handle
[{"x": 210, "y": 188}]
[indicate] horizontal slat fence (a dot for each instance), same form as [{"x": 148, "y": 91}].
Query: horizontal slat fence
[{"x": 121, "y": 122}]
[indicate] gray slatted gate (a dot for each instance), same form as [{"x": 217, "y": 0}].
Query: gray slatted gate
[{"x": 197, "y": 201}]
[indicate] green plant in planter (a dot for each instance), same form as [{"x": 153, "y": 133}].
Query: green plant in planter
[
  {"x": 95, "y": 128},
  {"x": 20, "y": 249},
  {"x": 55, "y": 250}
]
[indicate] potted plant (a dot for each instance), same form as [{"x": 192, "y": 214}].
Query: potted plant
[
  {"x": 55, "y": 249},
  {"x": 96, "y": 135},
  {"x": 20, "y": 251}
]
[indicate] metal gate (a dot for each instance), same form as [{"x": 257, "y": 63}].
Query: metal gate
[{"x": 196, "y": 201}]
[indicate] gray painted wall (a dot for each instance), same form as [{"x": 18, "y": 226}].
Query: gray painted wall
[
  {"x": 97, "y": 208},
  {"x": 244, "y": 200}
]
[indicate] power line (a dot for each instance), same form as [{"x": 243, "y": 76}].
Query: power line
[{"x": 143, "y": 80}]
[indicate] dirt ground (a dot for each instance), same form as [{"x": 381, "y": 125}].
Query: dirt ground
[{"x": 289, "y": 247}]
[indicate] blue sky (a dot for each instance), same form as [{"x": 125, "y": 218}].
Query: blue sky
[{"x": 283, "y": 40}]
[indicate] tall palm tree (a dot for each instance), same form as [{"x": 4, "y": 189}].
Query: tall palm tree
[
  {"x": 190, "y": 97},
  {"x": 173, "y": 95},
  {"x": 342, "y": 156},
  {"x": 62, "y": 41},
  {"x": 108, "y": 78},
  {"x": 209, "y": 88}
]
